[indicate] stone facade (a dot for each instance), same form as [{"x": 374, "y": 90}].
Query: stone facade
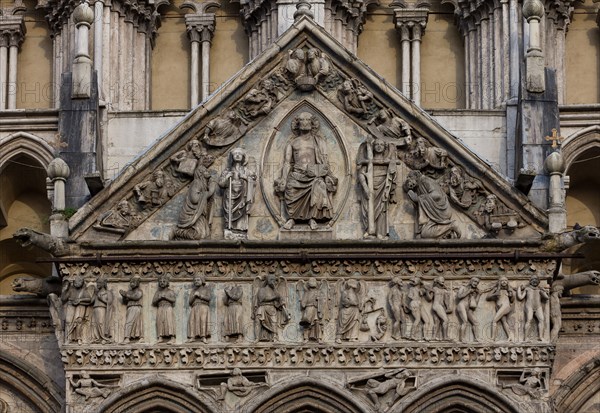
[{"x": 308, "y": 236}]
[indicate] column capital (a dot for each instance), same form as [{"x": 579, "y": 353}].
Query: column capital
[
  {"x": 412, "y": 20},
  {"x": 12, "y": 30},
  {"x": 200, "y": 27}
]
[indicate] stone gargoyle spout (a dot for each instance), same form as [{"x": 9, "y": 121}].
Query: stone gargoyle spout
[
  {"x": 56, "y": 246},
  {"x": 578, "y": 235}
]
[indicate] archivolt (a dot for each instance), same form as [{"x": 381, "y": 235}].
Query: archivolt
[
  {"x": 579, "y": 142},
  {"x": 302, "y": 395},
  {"x": 30, "y": 383},
  {"x": 451, "y": 395},
  {"x": 579, "y": 387},
  {"x": 155, "y": 395},
  {"x": 25, "y": 143}
]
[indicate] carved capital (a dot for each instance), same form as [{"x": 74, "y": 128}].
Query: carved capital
[
  {"x": 200, "y": 27},
  {"x": 12, "y": 29},
  {"x": 412, "y": 20}
]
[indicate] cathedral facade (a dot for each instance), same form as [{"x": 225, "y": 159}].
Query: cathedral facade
[{"x": 299, "y": 206}]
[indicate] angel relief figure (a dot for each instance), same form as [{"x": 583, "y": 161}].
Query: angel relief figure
[
  {"x": 316, "y": 309},
  {"x": 269, "y": 307},
  {"x": 350, "y": 295}
]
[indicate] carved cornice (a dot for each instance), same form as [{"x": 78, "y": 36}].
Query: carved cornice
[{"x": 306, "y": 356}]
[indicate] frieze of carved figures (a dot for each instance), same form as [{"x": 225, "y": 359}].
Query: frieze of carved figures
[
  {"x": 350, "y": 304},
  {"x": 504, "y": 296},
  {"x": 467, "y": 301},
  {"x": 224, "y": 129},
  {"x": 120, "y": 219},
  {"x": 534, "y": 297},
  {"x": 555, "y": 313},
  {"x": 356, "y": 99},
  {"x": 532, "y": 383},
  {"x": 306, "y": 183},
  {"x": 185, "y": 270},
  {"x": 396, "y": 298},
  {"x": 154, "y": 192},
  {"x": 316, "y": 306},
  {"x": 277, "y": 355},
  {"x": 233, "y": 328},
  {"x": 434, "y": 213},
  {"x": 422, "y": 322},
  {"x": 89, "y": 387},
  {"x": 134, "y": 317},
  {"x": 376, "y": 175},
  {"x": 164, "y": 300},
  {"x": 269, "y": 306},
  {"x": 307, "y": 67},
  {"x": 199, "y": 302},
  {"x": 442, "y": 301},
  {"x": 195, "y": 217},
  {"x": 102, "y": 313},
  {"x": 77, "y": 300},
  {"x": 389, "y": 386},
  {"x": 238, "y": 182}
]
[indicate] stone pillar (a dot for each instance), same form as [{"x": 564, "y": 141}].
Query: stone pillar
[
  {"x": 58, "y": 172},
  {"x": 533, "y": 11},
  {"x": 99, "y": 42},
  {"x": 83, "y": 17},
  {"x": 557, "y": 213},
  {"x": 411, "y": 24},
  {"x": 12, "y": 34},
  {"x": 3, "y": 69},
  {"x": 200, "y": 27}
]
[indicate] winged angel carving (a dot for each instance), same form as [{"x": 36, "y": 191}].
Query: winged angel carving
[
  {"x": 269, "y": 305},
  {"x": 317, "y": 305}
]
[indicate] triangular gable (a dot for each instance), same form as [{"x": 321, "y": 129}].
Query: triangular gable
[{"x": 228, "y": 119}]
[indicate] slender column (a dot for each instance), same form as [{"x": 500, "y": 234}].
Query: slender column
[
  {"x": 514, "y": 48},
  {"x": 405, "y": 40},
  {"x": 195, "y": 67},
  {"x": 505, "y": 50},
  {"x": 56, "y": 69},
  {"x": 207, "y": 34},
  {"x": 533, "y": 11},
  {"x": 99, "y": 42},
  {"x": 83, "y": 16},
  {"x": 485, "y": 63},
  {"x": 468, "y": 80},
  {"x": 415, "y": 66},
  {"x": 498, "y": 84},
  {"x": 474, "y": 81},
  {"x": 13, "y": 50},
  {"x": 3, "y": 69}
]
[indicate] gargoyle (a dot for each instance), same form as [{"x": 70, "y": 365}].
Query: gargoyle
[
  {"x": 578, "y": 235},
  {"x": 580, "y": 279},
  {"x": 54, "y": 245},
  {"x": 38, "y": 286}
]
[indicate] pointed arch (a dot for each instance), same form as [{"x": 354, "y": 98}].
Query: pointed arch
[
  {"x": 25, "y": 143},
  {"x": 300, "y": 395},
  {"x": 449, "y": 394},
  {"x": 580, "y": 387},
  {"x": 30, "y": 384},
  {"x": 156, "y": 394},
  {"x": 579, "y": 142}
]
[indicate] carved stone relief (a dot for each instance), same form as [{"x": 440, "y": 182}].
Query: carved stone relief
[
  {"x": 164, "y": 300},
  {"x": 390, "y": 386},
  {"x": 199, "y": 301},
  {"x": 90, "y": 388},
  {"x": 315, "y": 302},
  {"x": 134, "y": 322},
  {"x": 269, "y": 308}
]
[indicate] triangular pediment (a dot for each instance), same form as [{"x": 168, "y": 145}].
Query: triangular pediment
[{"x": 177, "y": 188}]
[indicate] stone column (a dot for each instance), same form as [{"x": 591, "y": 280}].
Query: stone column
[
  {"x": 3, "y": 69},
  {"x": 533, "y": 11},
  {"x": 411, "y": 24},
  {"x": 99, "y": 42},
  {"x": 14, "y": 42},
  {"x": 200, "y": 27},
  {"x": 58, "y": 172},
  {"x": 557, "y": 213},
  {"x": 83, "y": 17}
]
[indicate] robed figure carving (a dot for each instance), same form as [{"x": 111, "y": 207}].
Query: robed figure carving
[
  {"x": 315, "y": 304},
  {"x": 238, "y": 183},
  {"x": 196, "y": 214},
  {"x": 350, "y": 306},
  {"x": 306, "y": 184},
  {"x": 269, "y": 306},
  {"x": 199, "y": 301},
  {"x": 377, "y": 178}
]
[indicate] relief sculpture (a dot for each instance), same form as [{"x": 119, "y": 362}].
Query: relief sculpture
[
  {"x": 77, "y": 300},
  {"x": 134, "y": 322},
  {"x": 232, "y": 324},
  {"x": 434, "y": 213},
  {"x": 467, "y": 299},
  {"x": 102, "y": 313},
  {"x": 199, "y": 302},
  {"x": 270, "y": 311},
  {"x": 377, "y": 179},
  {"x": 504, "y": 296},
  {"x": 306, "y": 184},
  {"x": 534, "y": 297},
  {"x": 238, "y": 182},
  {"x": 315, "y": 303},
  {"x": 350, "y": 305},
  {"x": 164, "y": 300}
]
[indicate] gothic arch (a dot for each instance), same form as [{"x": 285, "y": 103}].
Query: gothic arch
[
  {"x": 29, "y": 383},
  {"x": 301, "y": 395},
  {"x": 579, "y": 142},
  {"x": 449, "y": 394},
  {"x": 579, "y": 387},
  {"x": 25, "y": 143},
  {"x": 155, "y": 395}
]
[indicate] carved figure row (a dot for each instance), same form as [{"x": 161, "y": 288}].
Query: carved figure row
[{"x": 92, "y": 305}]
